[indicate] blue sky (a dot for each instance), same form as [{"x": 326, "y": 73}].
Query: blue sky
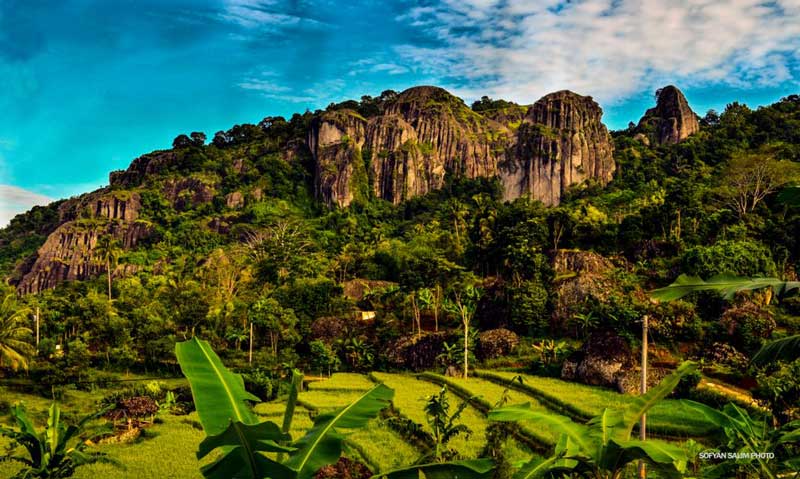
[{"x": 88, "y": 85}]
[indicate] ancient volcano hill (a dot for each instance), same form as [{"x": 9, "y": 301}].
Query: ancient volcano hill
[{"x": 394, "y": 147}]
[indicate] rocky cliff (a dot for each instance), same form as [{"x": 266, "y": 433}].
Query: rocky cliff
[
  {"x": 68, "y": 253},
  {"x": 561, "y": 142},
  {"x": 408, "y": 146},
  {"x": 425, "y": 134},
  {"x": 671, "y": 120}
]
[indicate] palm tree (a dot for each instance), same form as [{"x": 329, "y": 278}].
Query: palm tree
[
  {"x": 13, "y": 335},
  {"x": 107, "y": 248}
]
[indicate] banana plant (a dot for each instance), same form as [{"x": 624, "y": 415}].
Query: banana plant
[
  {"x": 602, "y": 448},
  {"x": 250, "y": 449},
  {"x": 754, "y": 439},
  {"x": 54, "y": 453},
  {"x": 726, "y": 285}
]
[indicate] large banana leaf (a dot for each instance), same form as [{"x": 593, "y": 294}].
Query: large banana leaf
[
  {"x": 639, "y": 405},
  {"x": 536, "y": 468},
  {"x": 219, "y": 395},
  {"x": 472, "y": 469},
  {"x": 785, "y": 349},
  {"x": 577, "y": 433},
  {"x": 725, "y": 284},
  {"x": 322, "y": 445},
  {"x": 668, "y": 460},
  {"x": 241, "y": 458}
]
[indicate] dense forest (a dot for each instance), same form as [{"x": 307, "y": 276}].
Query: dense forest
[{"x": 234, "y": 241}]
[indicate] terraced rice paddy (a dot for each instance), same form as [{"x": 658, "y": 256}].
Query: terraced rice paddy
[
  {"x": 379, "y": 445},
  {"x": 668, "y": 417}
]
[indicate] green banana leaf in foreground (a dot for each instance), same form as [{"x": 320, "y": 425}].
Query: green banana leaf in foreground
[
  {"x": 232, "y": 428},
  {"x": 726, "y": 285},
  {"x": 472, "y": 469},
  {"x": 219, "y": 395}
]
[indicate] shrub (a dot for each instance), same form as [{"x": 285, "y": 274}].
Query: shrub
[
  {"x": 781, "y": 390},
  {"x": 529, "y": 308},
  {"x": 328, "y": 329},
  {"x": 745, "y": 257},
  {"x": 344, "y": 468},
  {"x": 260, "y": 382},
  {"x": 747, "y": 326},
  {"x": 687, "y": 385},
  {"x": 496, "y": 342},
  {"x": 726, "y": 355},
  {"x": 133, "y": 410}
]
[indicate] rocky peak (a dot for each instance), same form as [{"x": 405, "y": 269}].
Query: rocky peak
[
  {"x": 561, "y": 142},
  {"x": 68, "y": 253},
  {"x": 671, "y": 120}
]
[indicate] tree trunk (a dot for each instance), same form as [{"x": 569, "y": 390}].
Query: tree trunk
[
  {"x": 108, "y": 269},
  {"x": 466, "y": 346},
  {"x": 250, "y": 360}
]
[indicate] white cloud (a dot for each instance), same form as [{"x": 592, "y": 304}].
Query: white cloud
[
  {"x": 610, "y": 49},
  {"x": 15, "y": 200},
  {"x": 257, "y": 14}
]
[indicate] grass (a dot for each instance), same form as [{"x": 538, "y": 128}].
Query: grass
[
  {"x": 372, "y": 442},
  {"x": 490, "y": 394},
  {"x": 342, "y": 382},
  {"x": 668, "y": 417},
  {"x": 167, "y": 451},
  {"x": 409, "y": 400}
]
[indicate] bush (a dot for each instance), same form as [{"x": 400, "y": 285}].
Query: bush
[
  {"x": 328, "y": 329},
  {"x": 528, "y": 306},
  {"x": 496, "y": 342},
  {"x": 726, "y": 355},
  {"x": 261, "y": 383},
  {"x": 687, "y": 385},
  {"x": 746, "y": 258},
  {"x": 747, "y": 326},
  {"x": 780, "y": 388}
]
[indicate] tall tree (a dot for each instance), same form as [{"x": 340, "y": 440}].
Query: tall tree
[
  {"x": 751, "y": 177},
  {"x": 108, "y": 250},
  {"x": 463, "y": 302}
]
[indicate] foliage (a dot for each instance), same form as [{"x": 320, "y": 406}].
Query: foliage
[
  {"x": 14, "y": 346},
  {"x": 724, "y": 284},
  {"x": 746, "y": 257},
  {"x": 756, "y": 439},
  {"x": 232, "y": 427},
  {"x": 444, "y": 424},
  {"x": 54, "y": 453}
]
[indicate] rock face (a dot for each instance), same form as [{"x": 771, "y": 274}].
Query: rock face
[
  {"x": 426, "y": 134},
  {"x": 671, "y": 120},
  {"x": 561, "y": 142},
  {"x": 68, "y": 252}
]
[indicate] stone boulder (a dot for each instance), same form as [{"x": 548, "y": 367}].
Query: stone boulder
[{"x": 602, "y": 360}]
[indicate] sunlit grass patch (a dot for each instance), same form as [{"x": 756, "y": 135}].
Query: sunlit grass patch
[
  {"x": 668, "y": 416},
  {"x": 410, "y": 397},
  {"x": 342, "y": 382}
]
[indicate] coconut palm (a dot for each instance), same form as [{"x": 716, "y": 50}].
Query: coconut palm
[
  {"x": 108, "y": 250},
  {"x": 14, "y": 346}
]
